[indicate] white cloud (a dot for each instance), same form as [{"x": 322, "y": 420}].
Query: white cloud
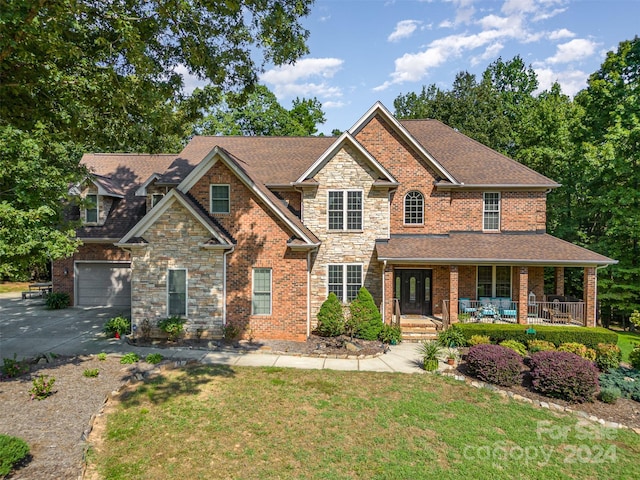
[
  {"x": 560, "y": 34},
  {"x": 333, "y": 104},
  {"x": 189, "y": 82},
  {"x": 298, "y": 79},
  {"x": 403, "y": 29},
  {"x": 571, "y": 80},
  {"x": 490, "y": 53},
  {"x": 572, "y": 51}
]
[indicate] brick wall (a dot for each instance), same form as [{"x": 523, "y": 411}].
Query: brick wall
[{"x": 261, "y": 243}]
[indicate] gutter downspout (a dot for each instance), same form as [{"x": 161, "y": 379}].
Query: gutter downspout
[
  {"x": 384, "y": 297},
  {"x": 224, "y": 284}
]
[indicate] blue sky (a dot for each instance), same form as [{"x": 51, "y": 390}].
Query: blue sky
[{"x": 362, "y": 51}]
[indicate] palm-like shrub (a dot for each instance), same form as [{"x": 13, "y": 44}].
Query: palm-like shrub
[
  {"x": 365, "y": 321},
  {"x": 564, "y": 375},
  {"x": 495, "y": 364},
  {"x": 330, "y": 317}
]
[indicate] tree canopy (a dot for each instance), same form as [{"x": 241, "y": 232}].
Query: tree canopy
[{"x": 88, "y": 75}]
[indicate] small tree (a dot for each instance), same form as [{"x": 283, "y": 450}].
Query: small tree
[
  {"x": 365, "y": 321},
  {"x": 635, "y": 319},
  {"x": 330, "y": 317}
]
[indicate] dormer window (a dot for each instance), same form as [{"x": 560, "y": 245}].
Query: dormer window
[
  {"x": 155, "y": 199},
  {"x": 220, "y": 199},
  {"x": 91, "y": 209}
]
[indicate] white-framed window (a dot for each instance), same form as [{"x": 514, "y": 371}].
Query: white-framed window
[
  {"x": 91, "y": 209},
  {"x": 261, "y": 296},
  {"x": 345, "y": 210},
  {"x": 414, "y": 208},
  {"x": 177, "y": 292},
  {"x": 491, "y": 211},
  {"x": 345, "y": 280},
  {"x": 219, "y": 198},
  {"x": 155, "y": 199},
  {"x": 494, "y": 281}
]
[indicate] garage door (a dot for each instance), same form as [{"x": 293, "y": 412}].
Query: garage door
[{"x": 103, "y": 284}]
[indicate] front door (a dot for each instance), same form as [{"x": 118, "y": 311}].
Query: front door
[{"x": 413, "y": 288}]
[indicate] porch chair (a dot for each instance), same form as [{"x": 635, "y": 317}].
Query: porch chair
[
  {"x": 507, "y": 309},
  {"x": 465, "y": 306}
]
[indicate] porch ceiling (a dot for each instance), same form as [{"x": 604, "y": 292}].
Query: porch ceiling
[{"x": 487, "y": 248}]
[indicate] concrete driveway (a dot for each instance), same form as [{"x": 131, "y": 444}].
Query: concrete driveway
[{"x": 28, "y": 328}]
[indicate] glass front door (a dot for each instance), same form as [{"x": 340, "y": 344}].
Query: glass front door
[{"x": 413, "y": 289}]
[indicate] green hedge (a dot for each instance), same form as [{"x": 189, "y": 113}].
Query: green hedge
[{"x": 590, "y": 337}]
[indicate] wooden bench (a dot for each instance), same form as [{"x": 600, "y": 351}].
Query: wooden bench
[
  {"x": 32, "y": 294},
  {"x": 560, "y": 317}
]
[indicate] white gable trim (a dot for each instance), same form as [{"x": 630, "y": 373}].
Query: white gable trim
[
  {"x": 142, "y": 190},
  {"x": 379, "y": 109},
  {"x": 150, "y": 218},
  {"x": 210, "y": 160},
  {"x": 345, "y": 138}
]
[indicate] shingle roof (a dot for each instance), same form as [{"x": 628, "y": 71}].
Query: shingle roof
[
  {"x": 473, "y": 248},
  {"x": 471, "y": 162},
  {"x": 122, "y": 173},
  {"x": 273, "y": 160}
]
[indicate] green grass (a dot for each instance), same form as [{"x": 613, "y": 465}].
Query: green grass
[
  {"x": 626, "y": 342},
  {"x": 7, "y": 287},
  {"x": 223, "y": 422}
]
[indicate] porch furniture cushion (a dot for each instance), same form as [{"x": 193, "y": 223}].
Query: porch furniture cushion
[
  {"x": 465, "y": 306},
  {"x": 506, "y": 308}
]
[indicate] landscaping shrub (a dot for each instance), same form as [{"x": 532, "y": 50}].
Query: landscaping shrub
[
  {"x": 608, "y": 356},
  {"x": 129, "y": 358},
  {"x": 452, "y": 337},
  {"x": 590, "y": 337},
  {"x": 330, "y": 317},
  {"x": 579, "y": 349},
  {"x": 391, "y": 334},
  {"x": 12, "y": 451},
  {"x": 172, "y": 326},
  {"x": 634, "y": 357},
  {"x": 627, "y": 380},
  {"x": 516, "y": 346},
  {"x": 610, "y": 395},
  {"x": 12, "y": 368},
  {"x": 540, "y": 346},
  {"x": 478, "y": 340},
  {"x": 58, "y": 300},
  {"x": 429, "y": 351},
  {"x": 495, "y": 364},
  {"x": 153, "y": 358},
  {"x": 120, "y": 325},
  {"x": 42, "y": 387},
  {"x": 231, "y": 332},
  {"x": 91, "y": 372},
  {"x": 365, "y": 321},
  {"x": 564, "y": 375}
]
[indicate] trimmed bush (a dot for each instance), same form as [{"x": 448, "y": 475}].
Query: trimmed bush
[
  {"x": 478, "y": 340},
  {"x": 330, "y": 317},
  {"x": 172, "y": 326},
  {"x": 608, "y": 356},
  {"x": 12, "y": 451},
  {"x": 540, "y": 346},
  {"x": 610, "y": 395},
  {"x": 634, "y": 358},
  {"x": 365, "y": 321},
  {"x": 564, "y": 375},
  {"x": 495, "y": 364},
  {"x": 516, "y": 346},
  {"x": 58, "y": 300},
  {"x": 627, "y": 380},
  {"x": 391, "y": 334},
  {"x": 590, "y": 337},
  {"x": 452, "y": 337},
  {"x": 120, "y": 325},
  {"x": 579, "y": 349}
]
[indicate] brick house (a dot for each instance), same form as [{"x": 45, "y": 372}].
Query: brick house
[{"x": 256, "y": 231}]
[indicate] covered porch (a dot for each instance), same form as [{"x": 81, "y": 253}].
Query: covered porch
[{"x": 475, "y": 277}]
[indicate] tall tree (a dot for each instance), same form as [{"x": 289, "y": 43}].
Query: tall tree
[
  {"x": 611, "y": 142},
  {"x": 79, "y": 75},
  {"x": 260, "y": 114}
]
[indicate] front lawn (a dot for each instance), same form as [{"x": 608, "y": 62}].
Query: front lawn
[
  {"x": 7, "y": 287},
  {"x": 209, "y": 422},
  {"x": 626, "y": 342}
]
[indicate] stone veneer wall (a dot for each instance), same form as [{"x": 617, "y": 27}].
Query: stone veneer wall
[
  {"x": 346, "y": 170},
  {"x": 104, "y": 204},
  {"x": 173, "y": 242}
]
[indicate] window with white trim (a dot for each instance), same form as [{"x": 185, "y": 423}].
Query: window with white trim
[
  {"x": 91, "y": 209},
  {"x": 219, "y": 198},
  {"x": 177, "y": 292},
  {"x": 261, "y": 296},
  {"x": 155, "y": 199},
  {"x": 345, "y": 280},
  {"x": 414, "y": 208},
  {"x": 494, "y": 281},
  {"x": 491, "y": 211},
  {"x": 345, "y": 210}
]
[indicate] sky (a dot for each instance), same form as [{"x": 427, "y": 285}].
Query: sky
[{"x": 364, "y": 51}]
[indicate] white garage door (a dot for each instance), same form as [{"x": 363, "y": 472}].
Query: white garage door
[{"x": 103, "y": 284}]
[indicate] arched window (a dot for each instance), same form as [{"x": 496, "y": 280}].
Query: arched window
[{"x": 414, "y": 208}]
